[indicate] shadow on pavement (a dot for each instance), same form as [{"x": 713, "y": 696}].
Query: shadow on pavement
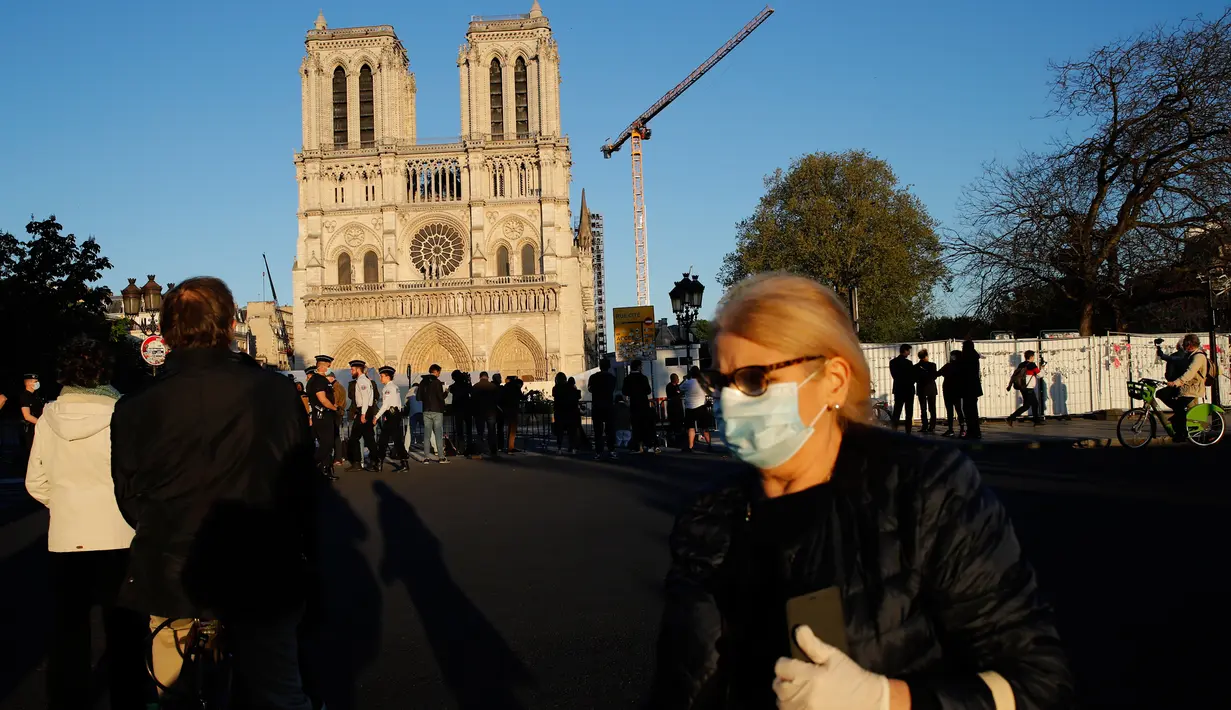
[
  {"x": 24, "y": 608},
  {"x": 479, "y": 668},
  {"x": 1138, "y": 587},
  {"x": 342, "y": 629}
]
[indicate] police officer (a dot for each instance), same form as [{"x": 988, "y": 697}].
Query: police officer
[
  {"x": 390, "y": 418},
  {"x": 31, "y": 403},
  {"x": 363, "y": 417},
  {"x": 324, "y": 415}
]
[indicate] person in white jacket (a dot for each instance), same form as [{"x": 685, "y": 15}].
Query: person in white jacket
[{"x": 70, "y": 473}]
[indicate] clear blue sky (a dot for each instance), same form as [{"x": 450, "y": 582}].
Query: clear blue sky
[{"x": 167, "y": 129}]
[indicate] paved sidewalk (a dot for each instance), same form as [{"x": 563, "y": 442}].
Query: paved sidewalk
[{"x": 1072, "y": 433}]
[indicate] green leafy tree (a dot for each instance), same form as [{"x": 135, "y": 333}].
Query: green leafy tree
[
  {"x": 47, "y": 295},
  {"x": 843, "y": 219},
  {"x": 702, "y": 331}
]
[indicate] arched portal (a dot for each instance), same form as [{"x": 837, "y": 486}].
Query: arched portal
[
  {"x": 518, "y": 353},
  {"x": 435, "y": 344}
]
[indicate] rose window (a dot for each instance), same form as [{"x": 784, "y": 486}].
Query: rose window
[{"x": 436, "y": 250}]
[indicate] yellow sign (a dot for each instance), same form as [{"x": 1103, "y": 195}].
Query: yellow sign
[{"x": 634, "y": 329}]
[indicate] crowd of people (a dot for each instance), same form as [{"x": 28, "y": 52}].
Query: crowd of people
[
  {"x": 792, "y": 585},
  {"x": 963, "y": 386}
]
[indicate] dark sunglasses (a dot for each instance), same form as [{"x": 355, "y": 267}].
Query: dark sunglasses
[{"x": 752, "y": 380}]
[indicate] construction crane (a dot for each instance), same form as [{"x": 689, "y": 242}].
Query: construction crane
[
  {"x": 639, "y": 130},
  {"x": 284, "y": 340}
]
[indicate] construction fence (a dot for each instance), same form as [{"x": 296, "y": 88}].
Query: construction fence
[{"x": 1081, "y": 375}]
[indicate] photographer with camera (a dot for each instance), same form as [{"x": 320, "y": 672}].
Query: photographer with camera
[
  {"x": 1025, "y": 380},
  {"x": 1176, "y": 361}
]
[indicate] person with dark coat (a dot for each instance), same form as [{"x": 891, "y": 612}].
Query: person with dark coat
[
  {"x": 640, "y": 400},
  {"x": 565, "y": 405},
  {"x": 213, "y": 468},
  {"x": 903, "y": 372},
  {"x": 971, "y": 384},
  {"x": 675, "y": 407},
  {"x": 938, "y": 606},
  {"x": 323, "y": 416},
  {"x": 30, "y": 407},
  {"x": 925, "y": 382},
  {"x": 485, "y": 400},
  {"x": 952, "y": 391},
  {"x": 432, "y": 395},
  {"x": 462, "y": 416},
  {"x": 510, "y": 404},
  {"x": 583, "y": 441},
  {"x": 601, "y": 386}
]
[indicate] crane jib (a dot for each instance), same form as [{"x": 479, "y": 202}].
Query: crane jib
[{"x": 657, "y": 107}]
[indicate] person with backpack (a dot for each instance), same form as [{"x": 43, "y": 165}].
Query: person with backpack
[
  {"x": 1182, "y": 391},
  {"x": 1025, "y": 380}
]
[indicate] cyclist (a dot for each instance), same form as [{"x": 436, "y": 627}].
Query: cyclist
[{"x": 1183, "y": 390}]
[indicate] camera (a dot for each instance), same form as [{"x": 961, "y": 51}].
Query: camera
[{"x": 1158, "y": 341}]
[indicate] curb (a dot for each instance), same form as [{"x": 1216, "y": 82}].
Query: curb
[{"x": 1076, "y": 442}]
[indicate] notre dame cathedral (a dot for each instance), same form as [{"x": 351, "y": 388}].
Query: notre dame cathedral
[{"x": 458, "y": 253}]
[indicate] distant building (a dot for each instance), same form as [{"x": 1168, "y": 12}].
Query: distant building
[
  {"x": 271, "y": 337},
  {"x": 459, "y": 251}
]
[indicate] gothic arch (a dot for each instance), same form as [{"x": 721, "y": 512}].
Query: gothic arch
[
  {"x": 435, "y": 343},
  {"x": 497, "y": 235},
  {"x": 354, "y": 348},
  {"x": 337, "y": 241},
  {"x": 362, "y": 58},
  {"x": 518, "y": 353},
  {"x": 339, "y": 60}
]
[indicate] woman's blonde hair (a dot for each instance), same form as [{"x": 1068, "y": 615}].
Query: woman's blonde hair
[{"x": 798, "y": 316}]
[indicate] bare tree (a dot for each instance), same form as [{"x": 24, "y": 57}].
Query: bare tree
[{"x": 1101, "y": 219}]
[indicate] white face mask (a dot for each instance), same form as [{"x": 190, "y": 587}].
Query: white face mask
[
  {"x": 37, "y": 385},
  {"x": 765, "y": 431}
]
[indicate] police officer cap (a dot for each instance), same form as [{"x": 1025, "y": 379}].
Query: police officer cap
[
  {"x": 386, "y": 370},
  {"x": 324, "y": 358},
  {"x": 30, "y": 376},
  {"x": 359, "y": 363},
  {"x": 309, "y": 371}
]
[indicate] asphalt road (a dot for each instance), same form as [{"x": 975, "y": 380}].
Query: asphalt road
[{"x": 534, "y": 583}]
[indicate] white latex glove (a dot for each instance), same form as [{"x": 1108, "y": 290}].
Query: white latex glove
[{"x": 831, "y": 682}]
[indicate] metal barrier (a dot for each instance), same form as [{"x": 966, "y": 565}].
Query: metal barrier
[{"x": 1081, "y": 376}]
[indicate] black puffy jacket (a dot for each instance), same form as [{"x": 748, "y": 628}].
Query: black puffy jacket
[
  {"x": 934, "y": 586},
  {"x": 213, "y": 468}
]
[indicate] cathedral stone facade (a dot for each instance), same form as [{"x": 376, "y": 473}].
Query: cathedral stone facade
[{"x": 457, "y": 253}]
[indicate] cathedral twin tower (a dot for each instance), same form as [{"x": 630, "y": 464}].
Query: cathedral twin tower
[{"x": 457, "y": 253}]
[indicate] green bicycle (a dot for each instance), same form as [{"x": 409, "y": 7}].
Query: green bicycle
[{"x": 1204, "y": 422}]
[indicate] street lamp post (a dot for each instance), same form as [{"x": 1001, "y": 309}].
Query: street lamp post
[
  {"x": 686, "y": 303},
  {"x": 140, "y": 300},
  {"x": 1214, "y": 274}
]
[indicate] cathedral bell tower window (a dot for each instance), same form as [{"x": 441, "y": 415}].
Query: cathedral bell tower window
[
  {"x": 367, "y": 112},
  {"x": 339, "y": 108},
  {"x": 344, "y": 269},
  {"x": 497, "y": 100},
  {"x": 371, "y": 268},
  {"x": 527, "y": 260},
  {"x": 522, "y": 97},
  {"x": 502, "y": 262}
]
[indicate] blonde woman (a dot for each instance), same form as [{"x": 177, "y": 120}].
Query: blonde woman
[{"x": 940, "y": 610}]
